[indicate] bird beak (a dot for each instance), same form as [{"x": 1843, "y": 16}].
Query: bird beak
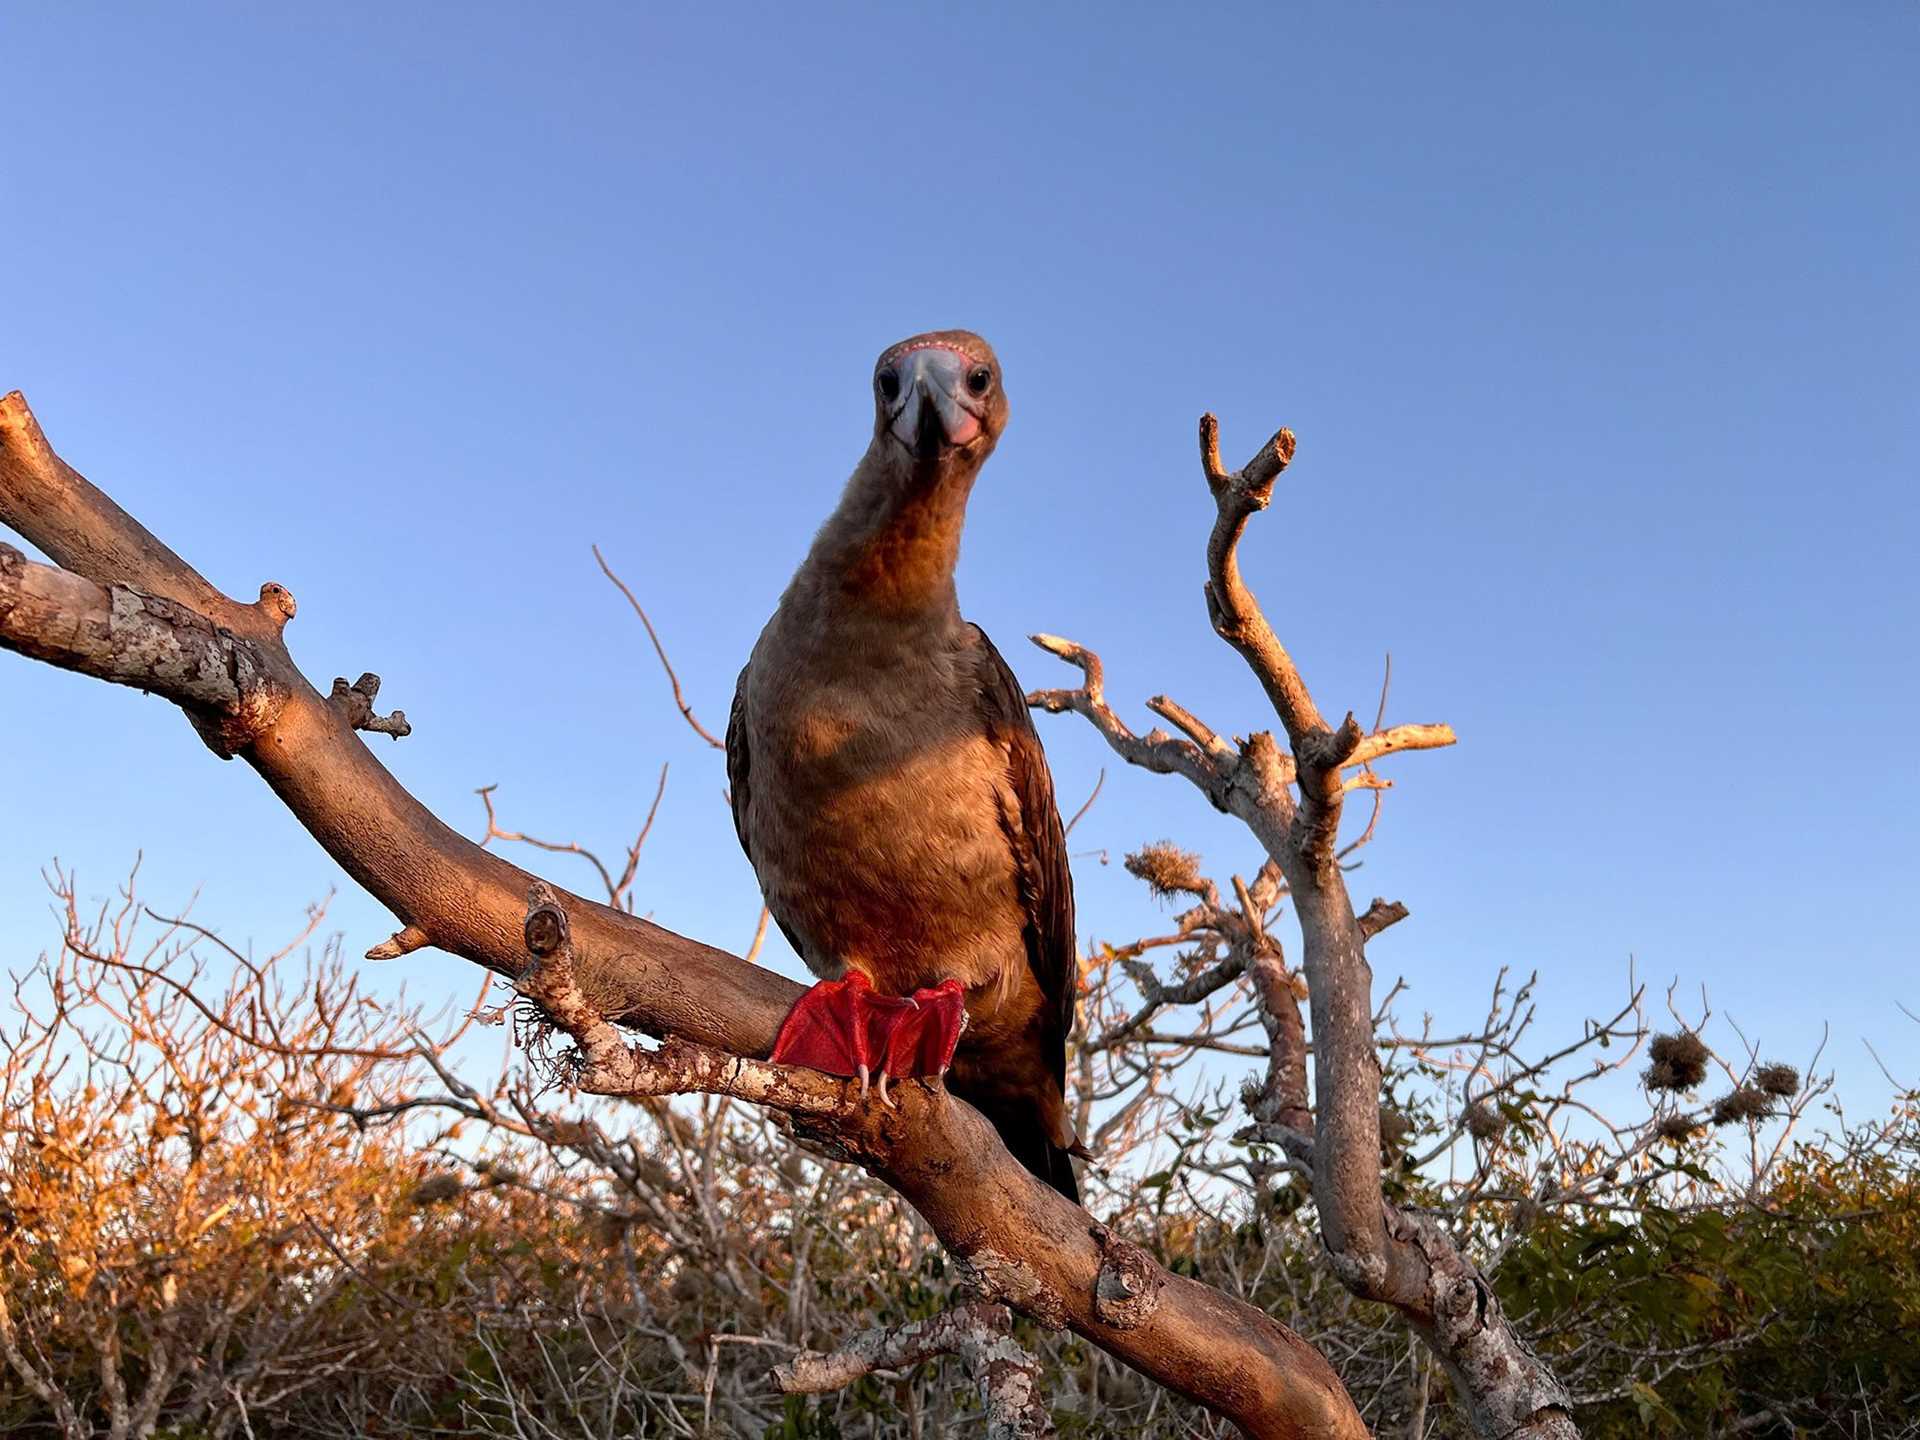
[{"x": 934, "y": 410}]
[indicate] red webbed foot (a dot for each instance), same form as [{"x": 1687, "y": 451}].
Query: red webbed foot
[
  {"x": 921, "y": 1041},
  {"x": 846, "y": 1027}
]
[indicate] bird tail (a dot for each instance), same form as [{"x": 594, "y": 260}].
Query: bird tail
[{"x": 1026, "y": 1136}]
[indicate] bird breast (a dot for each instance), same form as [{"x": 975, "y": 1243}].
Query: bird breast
[{"x": 876, "y": 831}]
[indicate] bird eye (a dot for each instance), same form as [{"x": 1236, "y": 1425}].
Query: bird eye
[
  {"x": 889, "y": 383},
  {"x": 979, "y": 380}
]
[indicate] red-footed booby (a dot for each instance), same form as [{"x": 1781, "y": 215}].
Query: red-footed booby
[{"x": 890, "y": 790}]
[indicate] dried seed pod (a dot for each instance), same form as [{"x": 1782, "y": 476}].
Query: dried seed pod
[
  {"x": 1746, "y": 1103},
  {"x": 1167, "y": 869},
  {"x": 1395, "y": 1129},
  {"x": 1677, "y": 1128},
  {"x": 1484, "y": 1121},
  {"x": 610, "y": 1226},
  {"x": 1679, "y": 1062},
  {"x": 438, "y": 1188}
]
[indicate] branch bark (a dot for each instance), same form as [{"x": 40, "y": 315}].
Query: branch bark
[{"x": 119, "y": 605}]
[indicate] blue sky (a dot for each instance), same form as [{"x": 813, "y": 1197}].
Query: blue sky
[{"x": 1599, "y": 327}]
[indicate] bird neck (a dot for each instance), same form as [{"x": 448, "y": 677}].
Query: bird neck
[{"x": 891, "y": 545}]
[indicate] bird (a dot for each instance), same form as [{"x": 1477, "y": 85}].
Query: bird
[{"x": 892, "y": 795}]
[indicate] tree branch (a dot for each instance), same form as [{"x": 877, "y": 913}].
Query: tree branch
[
  {"x": 1236, "y": 615},
  {"x": 980, "y": 1333},
  {"x": 128, "y": 610},
  {"x": 1378, "y": 916},
  {"x": 680, "y": 701}
]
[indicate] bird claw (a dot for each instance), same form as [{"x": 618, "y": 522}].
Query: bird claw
[{"x": 865, "y": 1075}]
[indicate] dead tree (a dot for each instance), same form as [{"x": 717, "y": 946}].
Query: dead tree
[
  {"x": 1292, "y": 800},
  {"x": 119, "y": 605}
]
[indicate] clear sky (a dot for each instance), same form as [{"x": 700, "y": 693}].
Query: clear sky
[{"x": 1599, "y": 327}]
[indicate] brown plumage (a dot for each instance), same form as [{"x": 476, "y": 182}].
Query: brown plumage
[{"x": 888, "y": 785}]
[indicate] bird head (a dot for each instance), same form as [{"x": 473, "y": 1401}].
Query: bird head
[{"x": 937, "y": 399}]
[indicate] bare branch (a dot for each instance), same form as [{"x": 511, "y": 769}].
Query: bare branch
[
  {"x": 679, "y": 697},
  {"x": 980, "y": 1334},
  {"x": 1087, "y": 804},
  {"x": 1235, "y": 613}
]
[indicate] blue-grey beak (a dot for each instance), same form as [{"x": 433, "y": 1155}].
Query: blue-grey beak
[{"x": 933, "y": 408}]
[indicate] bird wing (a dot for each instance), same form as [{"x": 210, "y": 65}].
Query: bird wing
[
  {"x": 1039, "y": 845},
  {"x": 739, "y": 772},
  {"x": 739, "y": 762}
]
